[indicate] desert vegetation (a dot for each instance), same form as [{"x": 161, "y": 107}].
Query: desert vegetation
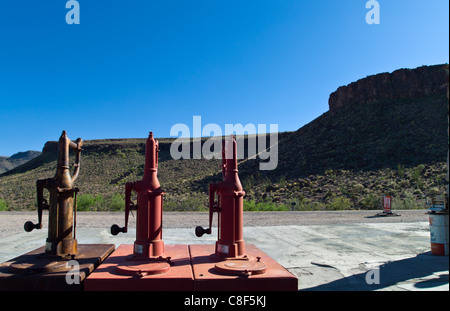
[{"x": 347, "y": 158}]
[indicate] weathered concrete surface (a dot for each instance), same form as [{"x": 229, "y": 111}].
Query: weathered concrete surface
[{"x": 332, "y": 256}]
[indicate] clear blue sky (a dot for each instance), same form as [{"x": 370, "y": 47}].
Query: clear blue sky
[{"x": 136, "y": 66}]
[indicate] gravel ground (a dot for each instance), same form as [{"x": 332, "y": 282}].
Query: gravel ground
[{"x": 12, "y": 222}]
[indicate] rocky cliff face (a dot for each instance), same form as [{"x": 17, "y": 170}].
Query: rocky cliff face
[{"x": 403, "y": 83}]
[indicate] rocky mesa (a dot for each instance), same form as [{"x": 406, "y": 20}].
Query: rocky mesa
[{"x": 403, "y": 83}]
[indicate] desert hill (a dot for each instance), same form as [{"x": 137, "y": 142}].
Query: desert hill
[{"x": 384, "y": 134}]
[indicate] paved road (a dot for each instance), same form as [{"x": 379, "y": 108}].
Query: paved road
[{"x": 12, "y": 222}]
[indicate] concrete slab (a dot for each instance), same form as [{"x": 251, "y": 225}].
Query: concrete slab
[
  {"x": 392, "y": 256},
  {"x": 340, "y": 257}
]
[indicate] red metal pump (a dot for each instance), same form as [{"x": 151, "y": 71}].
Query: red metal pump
[
  {"x": 229, "y": 206},
  {"x": 230, "y": 245},
  {"x": 148, "y": 244}
]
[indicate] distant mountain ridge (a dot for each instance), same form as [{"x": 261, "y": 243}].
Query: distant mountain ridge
[
  {"x": 381, "y": 136},
  {"x": 19, "y": 158}
]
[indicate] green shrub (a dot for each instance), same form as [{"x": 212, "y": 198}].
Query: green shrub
[
  {"x": 401, "y": 170},
  {"x": 308, "y": 205},
  {"x": 416, "y": 174},
  {"x": 282, "y": 181},
  {"x": 370, "y": 202},
  {"x": 252, "y": 206},
  {"x": 339, "y": 203},
  {"x": 266, "y": 182},
  {"x": 185, "y": 203},
  {"x": 116, "y": 202},
  {"x": 192, "y": 204},
  {"x": 302, "y": 203},
  {"x": 4, "y": 206},
  {"x": 88, "y": 202},
  {"x": 407, "y": 202},
  {"x": 248, "y": 182}
]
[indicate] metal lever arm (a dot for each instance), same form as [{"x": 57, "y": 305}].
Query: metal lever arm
[
  {"x": 77, "y": 149},
  {"x": 41, "y": 205},
  {"x": 115, "y": 229},
  {"x": 213, "y": 207}
]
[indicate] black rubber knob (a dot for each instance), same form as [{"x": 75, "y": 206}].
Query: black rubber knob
[
  {"x": 29, "y": 226},
  {"x": 200, "y": 231},
  {"x": 115, "y": 229}
]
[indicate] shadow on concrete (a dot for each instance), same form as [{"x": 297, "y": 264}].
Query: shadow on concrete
[{"x": 392, "y": 273}]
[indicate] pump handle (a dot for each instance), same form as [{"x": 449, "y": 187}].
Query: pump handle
[
  {"x": 41, "y": 205},
  {"x": 213, "y": 207},
  {"x": 129, "y": 205},
  {"x": 76, "y": 146}
]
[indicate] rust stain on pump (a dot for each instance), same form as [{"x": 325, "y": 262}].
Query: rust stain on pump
[
  {"x": 61, "y": 240},
  {"x": 46, "y": 266}
]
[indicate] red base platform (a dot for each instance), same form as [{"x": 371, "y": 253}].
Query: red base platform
[
  {"x": 113, "y": 274},
  {"x": 193, "y": 269},
  {"x": 209, "y": 278}
]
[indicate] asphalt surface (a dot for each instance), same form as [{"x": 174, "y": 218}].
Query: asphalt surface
[
  {"x": 12, "y": 222},
  {"x": 327, "y": 251}
]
